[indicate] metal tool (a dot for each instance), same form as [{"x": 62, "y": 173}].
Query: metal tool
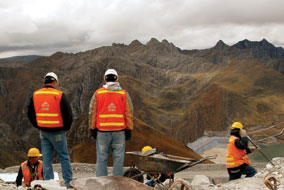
[{"x": 260, "y": 151}]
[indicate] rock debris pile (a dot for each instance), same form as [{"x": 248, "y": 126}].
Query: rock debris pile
[
  {"x": 7, "y": 186},
  {"x": 264, "y": 179}
]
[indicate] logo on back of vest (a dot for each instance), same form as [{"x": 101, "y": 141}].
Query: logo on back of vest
[
  {"x": 45, "y": 106},
  {"x": 111, "y": 107}
]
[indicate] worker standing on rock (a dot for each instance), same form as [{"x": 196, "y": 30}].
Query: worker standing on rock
[
  {"x": 50, "y": 112},
  {"x": 31, "y": 169},
  {"x": 238, "y": 163},
  {"x": 111, "y": 123}
]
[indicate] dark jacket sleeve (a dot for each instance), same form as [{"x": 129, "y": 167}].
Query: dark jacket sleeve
[
  {"x": 66, "y": 112},
  {"x": 242, "y": 143},
  {"x": 31, "y": 113},
  {"x": 19, "y": 177}
]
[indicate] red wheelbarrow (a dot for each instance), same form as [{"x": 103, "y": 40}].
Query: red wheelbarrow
[{"x": 159, "y": 166}]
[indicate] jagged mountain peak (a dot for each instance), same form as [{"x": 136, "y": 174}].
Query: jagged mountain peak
[
  {"x": 253, "y": 44},
  {"x": 168, "y": 44},
  {"x": 265, "y": 43},
  {"x": 220, "y": 45},
  {"x": 163, "y": 46},
  {"x": 135, "y": 43},
  {"x": 153, "y": 41},
  {"x": 261, "y": 49},
  {"x": 242, "y": 44},
  {"x": 164, "y": 41}
]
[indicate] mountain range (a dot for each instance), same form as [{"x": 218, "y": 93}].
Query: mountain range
[{"x": 177, "y": 94}]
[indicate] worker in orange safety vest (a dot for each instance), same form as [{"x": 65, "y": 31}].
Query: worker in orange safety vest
[
  {"x": 30, "y": 169},
  {"x": 50, "y": 112},
  {"x": 238, "y": 163},
  {"x": 111, "y": 123}
]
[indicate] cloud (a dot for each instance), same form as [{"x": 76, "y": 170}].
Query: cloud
[{"x": 44, "y": 27}]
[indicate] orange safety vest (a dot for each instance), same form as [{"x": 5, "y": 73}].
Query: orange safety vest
[
  {"x": 110, "y": 109},
  {"x": 47, "y": 107},
  {"x": 28, "y": 178},
  {"x": 236, "y": 157}
]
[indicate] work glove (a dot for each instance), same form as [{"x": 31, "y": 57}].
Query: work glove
[
  {"x": 243, "y": 133},
  {"x": 127, "y": 134},
  {"x": 94, "y": 133}
]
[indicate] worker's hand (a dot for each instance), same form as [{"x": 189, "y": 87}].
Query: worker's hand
[
  {"x": 127, "y": 134},
  {"x": 94, "y": 133},
  {"x": 254, "y": 149},
  {"x": 243, "y": 133}
]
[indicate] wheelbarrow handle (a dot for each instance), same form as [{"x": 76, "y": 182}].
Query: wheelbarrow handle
[
  {"x": 177, "y": 157},
  {"x": 185, "y": 166},
  {"x": 210, "y": 157},
  {"x": 189, "y": 159}
]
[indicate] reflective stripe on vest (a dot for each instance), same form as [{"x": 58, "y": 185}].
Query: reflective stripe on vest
[
  {"x": 48, "y": 114},
  {"x": 112, "y": 91},
  {"x": 47, "y": 107},
  {"x": 112, "y": 124},
  {"x": 233, "y": 164},
  {"x": 47, "y": 122},
  {"x": 47, "y": 92},
  {"x": 27, "y": 174},
  {"x": 235, "y": 157},
  {"x": 111, "y": 115},
  {"x": 110, "y": 109}
]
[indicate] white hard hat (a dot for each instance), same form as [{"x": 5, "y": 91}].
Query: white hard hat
[
  {"x": 111, "y": 72},
  {"x": 51, "y": 74}
]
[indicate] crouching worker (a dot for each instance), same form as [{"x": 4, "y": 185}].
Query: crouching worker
[
  {"x": 31, "y": 169},
  {"x": 238, "y": 163}
]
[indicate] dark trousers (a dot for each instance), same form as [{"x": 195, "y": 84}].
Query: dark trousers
[{"x": 236, "y": 173}]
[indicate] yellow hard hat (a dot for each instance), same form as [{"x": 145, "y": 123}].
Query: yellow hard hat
[
  {"x": 237, "y": 125},
  {"x": 34, "y": 152},
  {"x": 146, "y": 148}
]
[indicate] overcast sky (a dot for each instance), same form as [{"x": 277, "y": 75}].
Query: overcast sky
[{"x": 43, "y": 27}]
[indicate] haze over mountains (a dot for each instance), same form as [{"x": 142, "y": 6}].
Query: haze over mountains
[{"x": 177, "y": 94}]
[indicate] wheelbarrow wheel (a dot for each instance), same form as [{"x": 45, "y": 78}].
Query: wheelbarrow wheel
[{"x": 131, "y": 172}]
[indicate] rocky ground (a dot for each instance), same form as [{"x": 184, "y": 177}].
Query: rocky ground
[
  {"x": 198, "y": 177},
  {"x": 201, "y": 176}
]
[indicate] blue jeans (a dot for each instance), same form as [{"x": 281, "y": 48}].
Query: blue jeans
[
  {"x": 116, "y": 142},
  {"x": 236, "y": 173},
  {"x": 49, "y": 142}
]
